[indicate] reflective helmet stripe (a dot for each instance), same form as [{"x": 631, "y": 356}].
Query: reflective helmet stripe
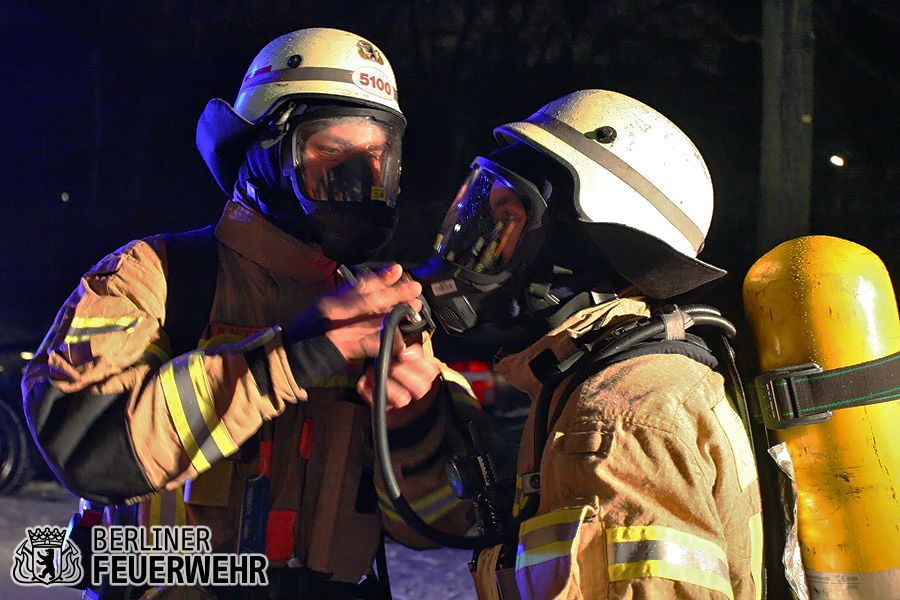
[
  {"x": 300, "y": 74},
  {"x": 615, "y": 165}
]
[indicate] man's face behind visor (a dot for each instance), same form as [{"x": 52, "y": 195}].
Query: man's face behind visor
[
  {"x": 345, "y": 159},
  {"x": 484, "y": 226}
]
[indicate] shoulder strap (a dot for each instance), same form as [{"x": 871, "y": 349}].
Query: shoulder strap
[{"x": 193, "y": 258}]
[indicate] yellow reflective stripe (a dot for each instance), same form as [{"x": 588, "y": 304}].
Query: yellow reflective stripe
[
  {"x": 548, "y": 537},
  {"x": 208, "y": 407},
  {"x": 167, "y": 509},
  {"x": 430, "y": 508},
  {"x": 158, "y": 352},
  {"x": 220, "y": 340},
  {"x": 653, "y": 551},
  {"x": 756, "y": 552},
  {"x": 97, "y": 322},
  {"x": 153, "y": 355},
  {"x": 568, "y": 515},
  {"x": 82, "y": 329},
  {"x": 667, "y": 570},
  {"x": 664, "y": 534},
  {"x": 176, "y": 411},
  {"x": 543, "y": 554}
]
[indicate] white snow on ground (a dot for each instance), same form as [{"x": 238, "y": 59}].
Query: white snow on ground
[{"x": 424, "y": 575}]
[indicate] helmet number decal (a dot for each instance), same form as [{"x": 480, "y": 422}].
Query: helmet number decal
[{"x": 373, "y": 81}]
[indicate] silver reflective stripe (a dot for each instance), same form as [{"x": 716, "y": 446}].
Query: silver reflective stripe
[
  {"x": 629, "y": 552},
  {"x": 300, "y": 74},
  {"x": 195, "y": 398},
  {"x": 642, "y": 551},
  {"x": 626, "y": 173},
  {"x": 547, "y": 535}
]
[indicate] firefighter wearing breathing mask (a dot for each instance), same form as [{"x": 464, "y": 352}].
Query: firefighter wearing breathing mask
[
  {"x": 636, "y": 477},
  {"x": 259, "y": 429}
]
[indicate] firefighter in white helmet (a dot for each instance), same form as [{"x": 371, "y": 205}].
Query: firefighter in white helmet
[
  {"x": 261, "y": 433},
  {"x": 636, "y": 477}
]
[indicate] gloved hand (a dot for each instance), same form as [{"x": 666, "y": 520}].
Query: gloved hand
[
  {"x": 345, "y": 325},
  {"x": 412, "y": 386},
  {"x": 353, "y": 316}
]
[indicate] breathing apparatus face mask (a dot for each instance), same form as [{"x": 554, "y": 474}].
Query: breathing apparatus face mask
[
  {"x": 331, "y": 179},
  {"x": 489, "y": 235},
  {"x": 344, "y": 155},
  {"x": 344, "y": 168}
]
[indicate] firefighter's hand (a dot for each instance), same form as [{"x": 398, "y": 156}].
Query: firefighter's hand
[
  {"x": 412, "y": 386},
  {"x": 353, "y": 315}
]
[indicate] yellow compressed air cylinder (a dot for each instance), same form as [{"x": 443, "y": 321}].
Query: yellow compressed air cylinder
[{"x": 830, "y": 301}]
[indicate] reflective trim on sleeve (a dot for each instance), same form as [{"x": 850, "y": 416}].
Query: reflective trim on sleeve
[
  {"x": 430, "y": 508},
  {"x": 548, "y": 537},
  {"x": 82, "y": 329},
  {"x": 193, "y": 411},
  {"x": 165, "y": 508},
  {"x": 651, "y": 551},
  {"x": 154, "y": 356},
  {"x": 756, "y": 553}
]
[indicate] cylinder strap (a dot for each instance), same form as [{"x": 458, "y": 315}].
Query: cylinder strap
[{"x": 805, "y": 394}]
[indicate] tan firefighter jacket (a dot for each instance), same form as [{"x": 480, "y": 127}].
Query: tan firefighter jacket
[
  {"x": 647, "y": 483},
  {"x": 121, "y": 420}
]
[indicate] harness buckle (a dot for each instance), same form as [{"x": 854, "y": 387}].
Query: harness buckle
[{"x": 777, "y": 397}]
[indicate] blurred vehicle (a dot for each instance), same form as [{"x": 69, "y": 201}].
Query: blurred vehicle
[{"x": 20, "y": 460}]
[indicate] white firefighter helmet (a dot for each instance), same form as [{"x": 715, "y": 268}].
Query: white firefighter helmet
[
  {"x": 316, "y": 64},
  {"x": 638, "y": 177}
]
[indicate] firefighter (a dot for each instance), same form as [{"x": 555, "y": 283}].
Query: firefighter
[
  {"x": 636, "y": 479},
  {"x": 259, "y": 431}
]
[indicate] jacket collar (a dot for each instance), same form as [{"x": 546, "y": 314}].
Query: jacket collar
[
  {"x": 249, "y": 234},
  {"x": 516, "y": 368}
]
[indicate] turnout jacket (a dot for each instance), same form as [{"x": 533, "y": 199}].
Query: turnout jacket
[
  {"x": 122, "y": 420},
  {"x": 648, "y": 487}
]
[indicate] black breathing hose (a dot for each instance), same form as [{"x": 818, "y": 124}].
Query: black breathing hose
[
  {"x": 383, "y": 453},
  {"x": 700, "y": 315}
]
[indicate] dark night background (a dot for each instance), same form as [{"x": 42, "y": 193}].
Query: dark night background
[{"x": 100, "y": 100}]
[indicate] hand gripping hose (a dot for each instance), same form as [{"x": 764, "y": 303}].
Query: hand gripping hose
[{"x": 382, "y": 450}]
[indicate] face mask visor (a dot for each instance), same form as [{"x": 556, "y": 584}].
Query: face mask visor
[
  {"x": 347, "y": 158},
  {"x": 485, "y": 226}
]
